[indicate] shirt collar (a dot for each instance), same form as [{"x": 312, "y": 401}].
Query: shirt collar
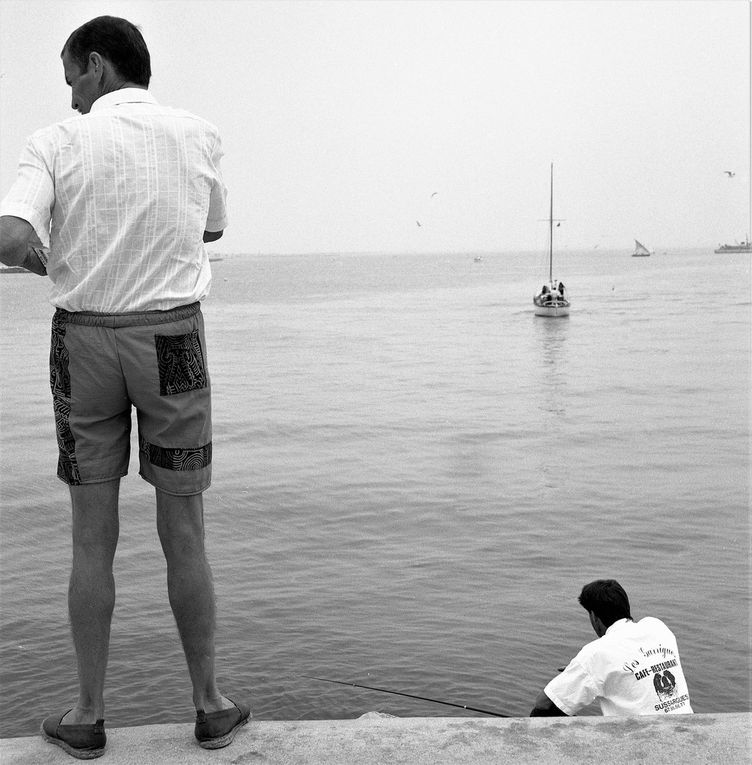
[
  {"x": 617, "y": 625},
  {"x": 124, "y": 96}
]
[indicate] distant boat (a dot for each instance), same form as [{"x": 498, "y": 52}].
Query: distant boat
[
  {"x": 552, "y": 299},
  {"x": 745, "y": 246},
  {"x": 641, "y": 251}
]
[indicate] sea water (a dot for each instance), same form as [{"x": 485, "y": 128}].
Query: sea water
[{"x": 413, "y": 478}]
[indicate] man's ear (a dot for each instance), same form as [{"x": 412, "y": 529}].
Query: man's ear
[{"x": 96, "y": 64}]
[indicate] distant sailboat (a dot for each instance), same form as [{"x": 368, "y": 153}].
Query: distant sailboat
[
  {"x": 641, "y": 251},
  {"x": 552, "y": 299}
]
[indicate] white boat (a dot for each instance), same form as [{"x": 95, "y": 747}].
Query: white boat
[
  {"x": 745, "y": 246},
  {"x": 641, "y": 251},
  {"x": 552, "y": 299}
]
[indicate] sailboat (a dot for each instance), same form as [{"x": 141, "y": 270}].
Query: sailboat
[
  {"x": 641, "y": 251},
  {"x": 552, "y": 299}
]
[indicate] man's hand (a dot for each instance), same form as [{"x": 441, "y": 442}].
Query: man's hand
[
  {"x": 544, "y": 707},
  {"x": 36, "y": 259},
  {"x": 20, "y": 245}
]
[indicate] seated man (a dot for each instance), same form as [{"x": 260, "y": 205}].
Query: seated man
[{"x": 633, "y": 668}]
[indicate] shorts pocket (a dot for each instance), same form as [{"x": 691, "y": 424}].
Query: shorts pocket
[{"x": 181, "y": 363}]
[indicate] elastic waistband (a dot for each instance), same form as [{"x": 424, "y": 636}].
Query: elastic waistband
[{"x": 117, "y": 320}]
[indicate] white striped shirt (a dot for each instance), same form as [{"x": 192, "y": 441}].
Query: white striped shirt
[{"x": 123, "y": 195}]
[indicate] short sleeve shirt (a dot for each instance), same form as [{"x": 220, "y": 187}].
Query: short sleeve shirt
[
  {"x": 123, "y": 195},
  {"x": 634, "y": 669}
]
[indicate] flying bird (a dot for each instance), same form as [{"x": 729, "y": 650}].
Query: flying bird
[
  {"x": 418, "y": 222},
  {"x": 434, "y": 194},
  {"x": 730, "y": 173}
]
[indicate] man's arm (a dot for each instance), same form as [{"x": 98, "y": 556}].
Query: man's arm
[
  {"x": 544, "y": 707},
  {"x": 17, "y": 242},
  {"x": 212, "y": 236}
]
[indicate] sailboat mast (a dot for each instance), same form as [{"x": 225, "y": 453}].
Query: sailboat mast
[{"x": 551, "y": 231}]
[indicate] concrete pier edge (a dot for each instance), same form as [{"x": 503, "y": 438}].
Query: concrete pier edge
[{"x": 376, "y": 739}]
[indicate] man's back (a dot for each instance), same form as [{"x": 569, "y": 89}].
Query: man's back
[
  {"x": 634, "y": 669},
  {"x": 132, "y": 187}
]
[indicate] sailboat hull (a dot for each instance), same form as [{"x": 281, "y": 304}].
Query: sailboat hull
[{"x": 554, "y": 309}]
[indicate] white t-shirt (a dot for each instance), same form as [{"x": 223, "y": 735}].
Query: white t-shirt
[
  {"x": 634, "y": 669},
  {"x": 124, "y": 195}
]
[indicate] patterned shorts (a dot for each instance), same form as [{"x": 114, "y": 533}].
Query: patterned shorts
[{"x": 101, "y": 365}]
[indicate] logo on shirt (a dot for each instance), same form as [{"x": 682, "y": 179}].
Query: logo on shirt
[{"x": 664, "y": 684}]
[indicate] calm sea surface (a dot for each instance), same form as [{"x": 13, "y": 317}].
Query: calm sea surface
[{"x": 413, "y": 478}]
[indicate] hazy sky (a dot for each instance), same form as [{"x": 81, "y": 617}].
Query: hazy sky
[{"x": 341, "y": 119}]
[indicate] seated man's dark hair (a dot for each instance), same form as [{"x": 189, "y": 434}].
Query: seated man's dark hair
[
  {"x": 607, "y": 600},
  {"x": 117, "y": 40}
]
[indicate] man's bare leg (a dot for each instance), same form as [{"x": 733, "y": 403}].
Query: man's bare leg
[
  {"x": 180, "y": 523},
  {"x": 91, "y": 593}
]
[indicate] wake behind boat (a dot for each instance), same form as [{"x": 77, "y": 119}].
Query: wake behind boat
[
  {"x": 552, "y": 299},
  {"x": 641, "y": 251}
]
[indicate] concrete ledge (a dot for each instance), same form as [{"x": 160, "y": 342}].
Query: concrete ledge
[{"x": 376, "y": 739}]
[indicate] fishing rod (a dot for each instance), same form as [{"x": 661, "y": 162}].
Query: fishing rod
[{"x": 409, "y": 695}]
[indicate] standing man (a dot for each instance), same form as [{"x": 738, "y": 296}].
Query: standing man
[
  {"x": 127, "y": 194},
  {"x": 633, "y": 668}
]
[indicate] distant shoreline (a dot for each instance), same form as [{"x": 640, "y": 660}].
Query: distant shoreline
[{"x": 21, "y": 270}]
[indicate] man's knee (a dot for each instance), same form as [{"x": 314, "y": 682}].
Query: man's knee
[{"x": 180, "y": 523}]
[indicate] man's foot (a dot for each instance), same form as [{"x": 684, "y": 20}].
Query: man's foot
[
  {"x": 217, "y": 729},
  {"x": 85, "y": 741}
]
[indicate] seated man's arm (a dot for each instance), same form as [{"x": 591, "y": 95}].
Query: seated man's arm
[
  {"x": 544, "y": 707},
  {"x": 569, "y": 691},
  {"x": 212, "y": 236}
]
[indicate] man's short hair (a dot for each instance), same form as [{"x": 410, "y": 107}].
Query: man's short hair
[
  {"x": 607, "y": 600},
  {"x": 117, "y": 40}
]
